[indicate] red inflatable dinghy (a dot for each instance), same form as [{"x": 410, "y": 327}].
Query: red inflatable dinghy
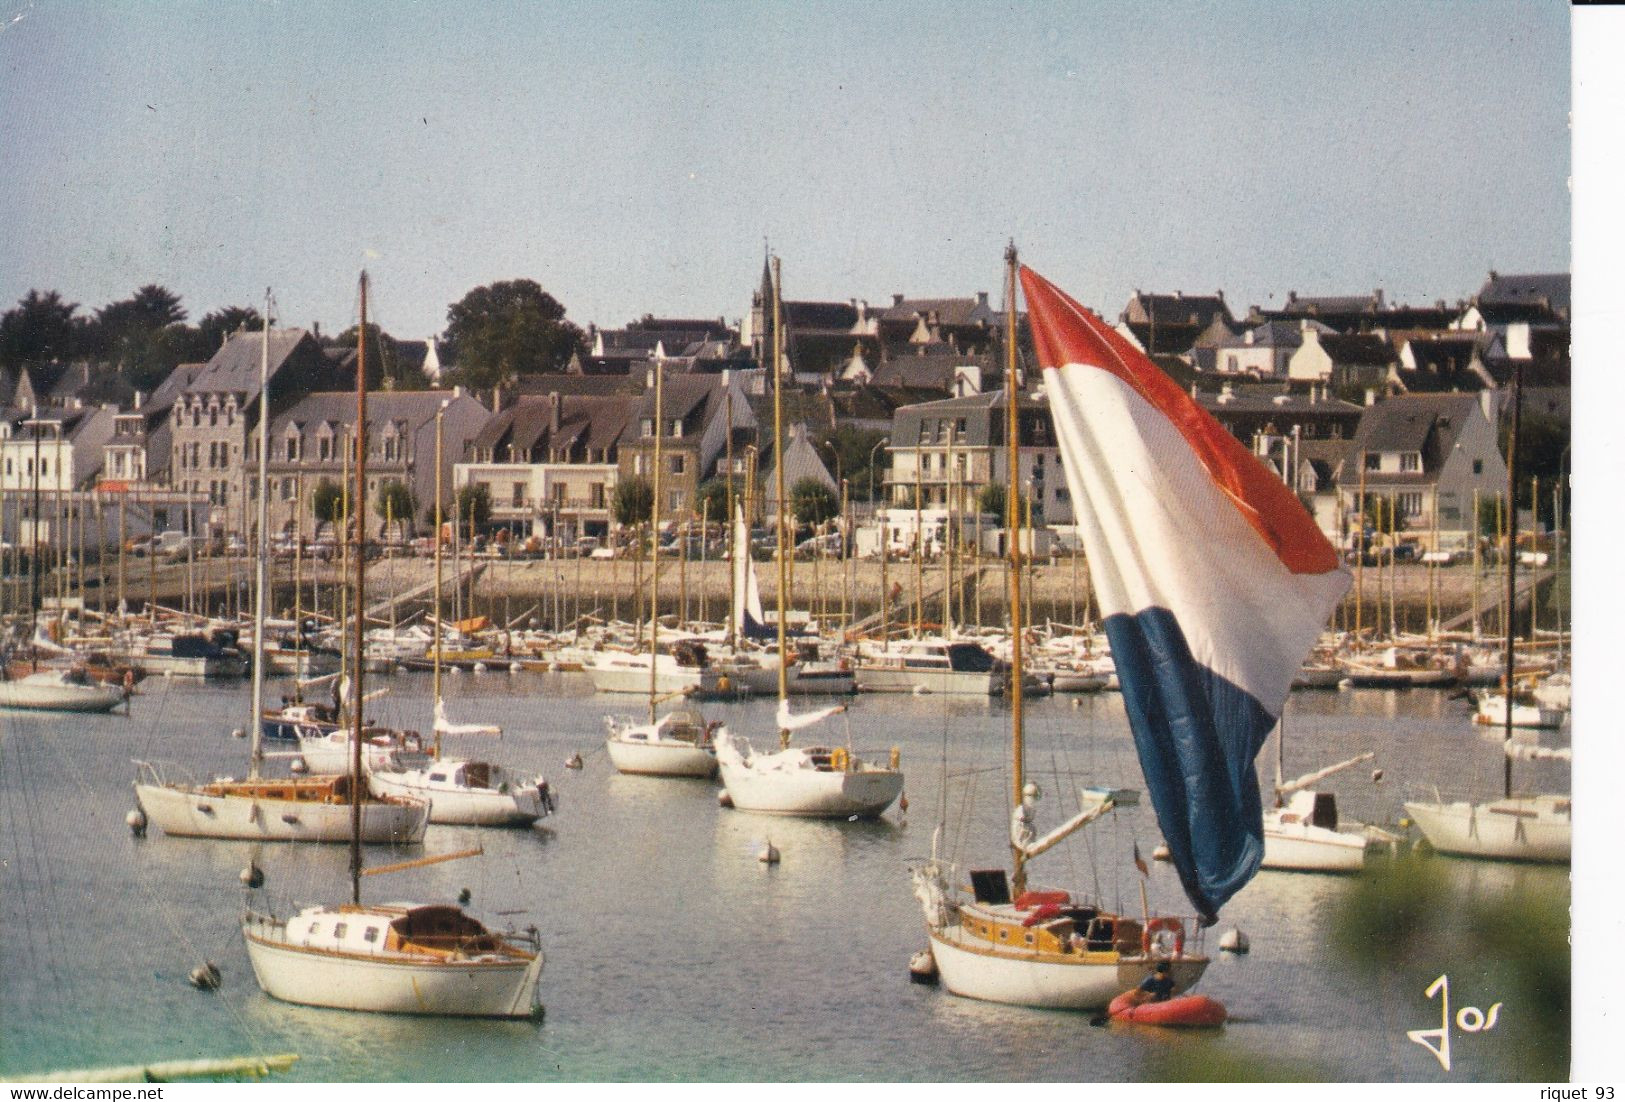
[{"x": 1184, "y": 1010}]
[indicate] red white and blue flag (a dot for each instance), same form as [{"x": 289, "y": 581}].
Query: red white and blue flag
[{"x": 1213, "y": 583}]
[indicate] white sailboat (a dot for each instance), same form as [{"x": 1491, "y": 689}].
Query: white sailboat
[
  {"x": 59, "y": 690},
  {"x": 461, "y": 791},
  {"x": 1302, "y": 832},
  {"x": 1049, "y": 948},
  {"x": 677, "y": 744},
  {"x": 1517, "y": 826},
  {"x": 813, "y": 781},
  {"x": 402, "y": 958},
  {"x": 289, "y": 809}
]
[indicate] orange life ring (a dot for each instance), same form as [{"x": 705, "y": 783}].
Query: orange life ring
[{"x": 1158, "y": 925}]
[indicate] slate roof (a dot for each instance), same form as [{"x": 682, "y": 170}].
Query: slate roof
[
  {"x": 945, "y": 311},
  {"x": 591, "y": 422},
  {"x": 1529, "y": 297},
  {"x": 1357, "y": 349},
  {"x": 235, "y": 368},
  {"x": 840, "y": 316},
  {"x": 1429, "y": 423},
  {"x": 801, "y": 460},
  {"x": 415, "y": 407}
]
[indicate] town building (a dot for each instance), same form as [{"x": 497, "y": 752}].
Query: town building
[
  {"x": 214, "y": 419},
  {"x": 310, "y": 440}
]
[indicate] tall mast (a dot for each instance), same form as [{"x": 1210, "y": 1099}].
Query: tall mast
[
  {"x": 261, "y": 550},
  {"x": 1512, "y": 565},
  {"x": 1012, "y": 527},
  {"x": 359, "y": 512},
  {"x": 654, "y": 541},
  {"x": 439, "y": 575},
  {"x": 778, "y": 480}
]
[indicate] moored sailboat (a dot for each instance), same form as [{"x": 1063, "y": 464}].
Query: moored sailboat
[
  {"x": 293, "y": 809},
  {"x": 814, "y": 781},
  {"x": 1152, "y": 477},
  {"x": 1517, "y": 826},
  {"x": 405, "y": 958}
]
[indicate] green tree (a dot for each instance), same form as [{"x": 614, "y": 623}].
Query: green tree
[
  {"x": 1383, "y": 515},
  {"x": 385, "y": 369},
  {"x": 327, "y": 502},
  {"x": 633, "y": 502},
  {"x": 145, "y": 335},
  {"x": 473, "y": 506},
  {"x": 854, "y": 447},
  {"x": 217, "y": 325},
  {"x": 396, "y": 503},
  {"x": 498, "y": 332},
  {"x": 711, "y": 499},
  {"x": 40, "y": 327},
  {"x": 992, "y": 500},
  {"x": 812, "y": 501}
]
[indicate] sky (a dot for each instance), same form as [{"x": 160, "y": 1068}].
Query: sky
[{"x": 637, "y": 158}]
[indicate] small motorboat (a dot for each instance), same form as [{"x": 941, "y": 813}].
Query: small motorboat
[{"x": 1188, "y": 1011}]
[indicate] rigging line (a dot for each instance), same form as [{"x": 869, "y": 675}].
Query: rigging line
[
  {"x": 19, "y": 866},
  {"x": 192, "y": 946},
  {"x": 38, "y": 833}
]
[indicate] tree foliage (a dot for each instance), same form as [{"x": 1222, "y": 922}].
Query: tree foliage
[
  {"x": 327, "y": 502},
  {"x": 992, "y": 500},
  {"x": 396, "y": 503},
  {"x": 854, "y": 447},
  {"x": 385, "y": 369},
  {"x": 812, "y": 501},
  {"x": 711, "y": 499},
  {"x": 500, "y": 331},
  {"x": 219, "y": 324},
  {"x": 40, "y": 327},
  {"x": 474, "y": 506},
  {"x": 633, "y": 502}
]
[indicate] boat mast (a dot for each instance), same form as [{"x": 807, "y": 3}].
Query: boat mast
[
  {"x": 778, "y": 480},
  {"x": 1012, "y": 521},
  {"x": 654, "y": 544},
  {"x": 360, "y": 514},
  {"x": 439, "y": 575},
  {"x": 1512, "y": 567},
  {"x": 261, "y": 552}
]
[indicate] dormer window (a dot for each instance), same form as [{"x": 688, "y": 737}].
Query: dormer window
[{"x": 1410, "y": 462}]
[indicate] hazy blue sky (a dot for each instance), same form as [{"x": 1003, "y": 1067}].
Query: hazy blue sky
[{"x": 632, "y": 157}]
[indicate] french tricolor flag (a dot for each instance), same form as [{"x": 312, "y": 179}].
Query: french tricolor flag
[{"x": 1212, "y": 579}]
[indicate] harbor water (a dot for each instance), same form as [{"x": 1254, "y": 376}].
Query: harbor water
[{"x": 673, "y": 954}]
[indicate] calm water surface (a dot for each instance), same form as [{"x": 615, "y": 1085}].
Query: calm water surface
[{"x": 672, "y": 954}]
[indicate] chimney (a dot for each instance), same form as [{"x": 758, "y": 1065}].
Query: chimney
[
  {"x": 138, "y": 399},
  {"x": 1370, "y": 396},
  {"x": 897, "y": 300},
  {"x": 981, "y": 298},
  {"x": 554, "y": 402}
]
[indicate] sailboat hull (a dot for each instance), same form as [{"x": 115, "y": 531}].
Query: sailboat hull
[
  {"x": 337, "y": 980},
  {"x": 1528, "y": 828},
  {"x": 810, "y": 793},
  {"x": 46, "y": 692},
  {"x": 978, "y": 970},
  {"x": 192, "y": 812},
  {"x": 1301, "y": 847},
  {"x": 661, "y": 759},
  {"x": 521, "y": 805}
]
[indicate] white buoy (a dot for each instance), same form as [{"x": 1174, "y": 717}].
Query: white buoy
[
  {"x": 1376, "y": 776},
  {"x": 724, "y": 800},
  {"x": 573, "y": 761},
  {"x": 238, "y": 732},
  {"x": 297, "y": 765},
  {"x": 1077, "y": 702},
  {"x": 251, "y": 876},
  {"x": 1345, "y": 685},
  {"x": 514, "y": 667},
  {"x": 456, "y": 669},
  {"x": 922, "y": 967},
  {"x": 768, "y": 854},
  {"x": 136, "y": 820},
  {"x": 205, "y": 977},
  {"x": 479, "y": 667},
  {"x": 1234, "y": 941}
]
